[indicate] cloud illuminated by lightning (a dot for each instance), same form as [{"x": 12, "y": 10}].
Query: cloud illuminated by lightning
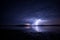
[
  {"x": 35, "y": 25},
  {"x": 37, "y": 22}
]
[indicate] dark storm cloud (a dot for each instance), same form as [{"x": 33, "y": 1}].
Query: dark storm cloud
[{"x": 15, "y": 11}]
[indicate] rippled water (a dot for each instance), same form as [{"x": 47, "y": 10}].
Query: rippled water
[{"x": 34, "y": 28}]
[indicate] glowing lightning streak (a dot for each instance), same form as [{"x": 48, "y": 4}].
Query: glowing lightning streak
[{"x": 36, "y": 23}]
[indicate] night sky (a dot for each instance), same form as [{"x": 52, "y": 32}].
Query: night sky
[{"x": 14, "y": 11}]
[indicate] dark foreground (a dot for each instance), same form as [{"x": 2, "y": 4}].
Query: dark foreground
[
  {"x": 8, "y": 34},
  {"x": 20, "y": 35}
]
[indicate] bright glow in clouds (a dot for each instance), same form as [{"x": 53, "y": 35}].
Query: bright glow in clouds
[
  {"x": 37, "y": 21},
  {"x": 35, "y": 25}
]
